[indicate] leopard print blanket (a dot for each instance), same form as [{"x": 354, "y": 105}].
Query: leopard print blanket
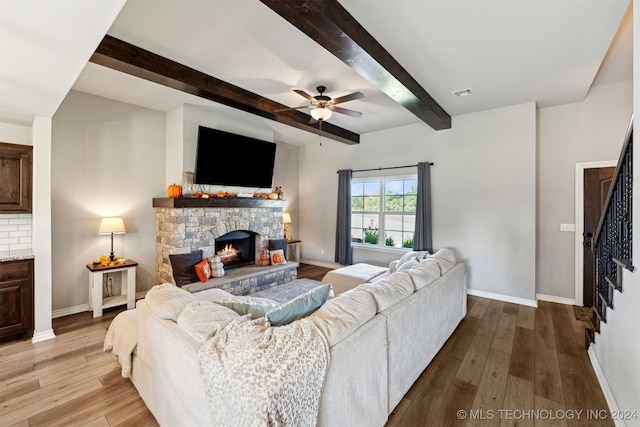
[{"x": 257, "y": 375}]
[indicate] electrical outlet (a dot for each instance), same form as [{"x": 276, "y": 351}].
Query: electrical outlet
[
  {"x": 321, "y": 251},
  {"x": 567, "y": 227}
]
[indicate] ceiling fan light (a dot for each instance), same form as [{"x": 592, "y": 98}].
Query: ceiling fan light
[{"x": 321, "y": 113}]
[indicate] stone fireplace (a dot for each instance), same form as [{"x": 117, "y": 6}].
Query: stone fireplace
[{"x": 184, "y": 225}]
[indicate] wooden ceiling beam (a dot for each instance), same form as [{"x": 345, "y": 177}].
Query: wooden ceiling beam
[
  {"x": 330, "y": 25},
  {"x": 127, "y": 58}
]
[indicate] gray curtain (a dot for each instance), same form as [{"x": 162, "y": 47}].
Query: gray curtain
[
  {"x": 422, "y": 237},
  {"x": 343, "y": 254}
]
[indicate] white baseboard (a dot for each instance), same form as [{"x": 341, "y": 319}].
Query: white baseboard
[
  {"x": 505, "y": 298},
  {"x": 321, "y": 264},
  {"x": 553, "y": 298},
  {"x": 43, "y": 336},
  {"x": 70, "y": 310},
  {"x": 604, "y": 385}
]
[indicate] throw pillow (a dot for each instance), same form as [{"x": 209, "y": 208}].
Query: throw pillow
[
  {"x": 203, "y": 270},
  {"x": 167, "y": 300},
  {"x": 255, "y": 306},
  {"x": 277, "y": 257},
  {"x": 417, "y": 255},
  {"x": 204, "y": 319},
  {"x": 299, "y": 307},
  {"x": 182, "y": 266},
  {"x": 275, "y": 244}
]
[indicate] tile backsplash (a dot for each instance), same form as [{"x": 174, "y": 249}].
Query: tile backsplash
[{"x": 15, "y": 232}]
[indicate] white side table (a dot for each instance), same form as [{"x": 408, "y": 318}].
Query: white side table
[
  {"x": 294, "y": 246},
  {"x": 128, "y": 291}
]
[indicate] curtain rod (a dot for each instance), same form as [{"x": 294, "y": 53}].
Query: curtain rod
[{"x": 390, "y": 167}]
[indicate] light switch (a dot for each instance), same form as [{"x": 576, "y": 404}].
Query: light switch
[{"x": 567, "y": 227}]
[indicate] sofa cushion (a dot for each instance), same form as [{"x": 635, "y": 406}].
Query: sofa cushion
[
  {"x": 408, "y": 265},
  {"x": 445, "y": 258},
  {"x": 424, "y": 273},
  {"x": 255, "y": 306},
  {"x": 342, "y": 315},
  {"x": 183, "y": 266},
  {"x": 167, "y": 301},
  {"x": 390, "y": 290},
  {"x": 203, "y": 319},
  {"x": 299, "y": 307},
  {"x": 212, "y": 294}
]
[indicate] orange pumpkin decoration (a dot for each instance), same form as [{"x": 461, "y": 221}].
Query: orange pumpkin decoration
[
  {"x": 174, "y": 190},
  {"x": 278, "y": 258}
]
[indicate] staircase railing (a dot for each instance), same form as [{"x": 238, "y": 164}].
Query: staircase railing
[{"x": 612, "y": 240}]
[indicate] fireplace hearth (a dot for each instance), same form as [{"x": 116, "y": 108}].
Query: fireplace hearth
[{"x": 236, "y": 248}]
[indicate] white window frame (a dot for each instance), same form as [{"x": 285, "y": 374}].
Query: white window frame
[{"x": 382, "y": 213}]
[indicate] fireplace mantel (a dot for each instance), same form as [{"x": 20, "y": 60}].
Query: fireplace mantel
[{"x": 214, "y": 202}]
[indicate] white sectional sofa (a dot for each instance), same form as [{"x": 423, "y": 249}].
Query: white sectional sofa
[{"x": 381, "y": 336}]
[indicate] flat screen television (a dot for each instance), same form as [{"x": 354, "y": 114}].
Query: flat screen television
[{"x": 224, "y": 158}]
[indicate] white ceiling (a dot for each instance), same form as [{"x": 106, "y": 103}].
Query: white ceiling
[{"x": 507, "y": 52}]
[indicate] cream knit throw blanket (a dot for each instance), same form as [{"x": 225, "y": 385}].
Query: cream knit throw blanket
[{"x": 257, "y": 375}]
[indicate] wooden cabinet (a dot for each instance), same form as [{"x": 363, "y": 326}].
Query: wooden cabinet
[
  {"x": 16, "y": 299},
  {"x": 15, "y": 178}
]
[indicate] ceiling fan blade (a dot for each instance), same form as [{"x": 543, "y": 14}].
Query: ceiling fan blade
[
  {"x": 346, "y": 111},
  {"x": 305, "y": 95},
  {"x": 289, "y": 109},
  {"x": 350, "y": 97}
]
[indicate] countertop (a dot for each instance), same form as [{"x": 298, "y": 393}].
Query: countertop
[{"x": 16, "y": 255}]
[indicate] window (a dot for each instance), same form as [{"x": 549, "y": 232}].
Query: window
[{"x": 383, "y": 211}]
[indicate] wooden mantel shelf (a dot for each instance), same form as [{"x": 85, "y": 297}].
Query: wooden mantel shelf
[{"x": 223, "y": 202}]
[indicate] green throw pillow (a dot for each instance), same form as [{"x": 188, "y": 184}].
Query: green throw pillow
[
  {"x": 299, "y": 307},
  {"x": 255, "y": 306}
]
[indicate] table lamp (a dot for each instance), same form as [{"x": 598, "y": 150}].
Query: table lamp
[
  {"x": 112, "y": 225},
  {"x": 286, "y": 219}
]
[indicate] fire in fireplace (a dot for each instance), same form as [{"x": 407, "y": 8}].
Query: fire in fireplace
[{"x": 236, "y": 248}]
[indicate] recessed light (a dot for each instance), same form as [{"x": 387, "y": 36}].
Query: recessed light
[{"x": 462, "y": 93}]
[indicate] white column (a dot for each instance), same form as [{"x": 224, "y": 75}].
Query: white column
[{"x": 41, "y": 242}]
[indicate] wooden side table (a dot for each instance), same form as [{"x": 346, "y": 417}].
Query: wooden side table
[
  {"x": 294, "y": 246},
  {"x": 128, "y": 291}
]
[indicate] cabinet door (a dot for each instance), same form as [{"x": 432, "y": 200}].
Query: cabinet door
[
  {"x": 15, "y": 300},
  {"x": 15, "y": 178}
]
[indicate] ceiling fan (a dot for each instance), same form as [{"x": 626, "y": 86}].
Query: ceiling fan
[{"x": 322, "y": 106}]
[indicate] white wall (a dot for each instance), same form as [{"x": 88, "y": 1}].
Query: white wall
[
  {"x": 616, "y": 352},
  {"x": 483, "y": 192},
  {"x": 108, "y": 160},
  {"x": 588, "y": 131}
]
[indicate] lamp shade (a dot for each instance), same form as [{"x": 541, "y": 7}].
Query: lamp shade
[
  {"x": 113, "y": 225},
  {"x": 286, "y": 218},
  {"x": 321, "y": 113}
]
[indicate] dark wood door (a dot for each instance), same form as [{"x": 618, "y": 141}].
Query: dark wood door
[
  {"x": 15, "y": 178},
  {"x": 16, "y": 299},
  {"x": 596, "y": 186}
]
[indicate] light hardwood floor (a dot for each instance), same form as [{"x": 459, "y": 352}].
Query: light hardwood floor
[{"x": 502, "y": 356}]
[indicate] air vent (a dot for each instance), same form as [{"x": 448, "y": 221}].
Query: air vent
[{"x": 462, "y": 93}]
